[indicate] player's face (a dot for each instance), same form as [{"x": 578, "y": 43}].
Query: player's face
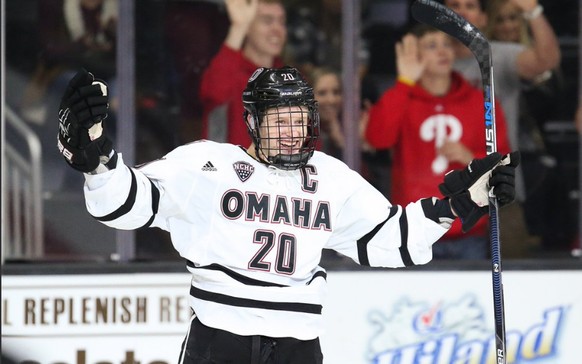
[
  {"x": 284, "y": 130},
  {"x": 327, "y": 91},
  {"x": 268, "y": 31},
  {"x": 507, "y": 24},
  {"x": 436, "y": 49},
  {"x": 470, "y": 10}
]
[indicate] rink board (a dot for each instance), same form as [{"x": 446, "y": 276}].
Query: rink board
[{"x": 385, "y": 317}]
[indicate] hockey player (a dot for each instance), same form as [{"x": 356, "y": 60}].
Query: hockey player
[{"x": 251, "y": 223}]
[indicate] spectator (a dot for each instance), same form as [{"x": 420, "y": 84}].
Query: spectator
[
  {"x": 314, "y": 34},
  {"x": 539, "y": 98},
  {"x": 80, "y": 33},
  {"x": 74, "y": 34},
  {"x": 328, "y": 94},
  {"x": 508, "y": 24},
  {"x": 256, "y": 38},
  {"x": 431, "y": 120},
  {"x": 194, "y": 31},
  {"x": 578, "y": 117},
  {"x": 513, "y": 62}
]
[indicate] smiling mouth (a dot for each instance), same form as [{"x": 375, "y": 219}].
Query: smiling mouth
[
  {"x": 289, "y": 147},
  {"x": 274, "y": 41}
]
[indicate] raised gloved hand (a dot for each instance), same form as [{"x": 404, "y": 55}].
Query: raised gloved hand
[
  {"x": 81, "y": 137},
  {"x": 468, "y": 189}
]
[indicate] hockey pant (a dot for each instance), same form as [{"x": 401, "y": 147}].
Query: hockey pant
[{"x": 206, "y": 345}]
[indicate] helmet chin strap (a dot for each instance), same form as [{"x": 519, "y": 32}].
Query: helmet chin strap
[
  {"x": 289, "y": 161},
  {"x": 259, "y": 155},
  {"x": 282, "y": 161}
]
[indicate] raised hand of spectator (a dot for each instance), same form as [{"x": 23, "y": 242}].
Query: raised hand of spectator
[
  {"x": 363, "y": 124},
  {"x": 241, "y": 14},
  {"x": 408, "y": 63},
  {"x": 456, "y": 152},
  {"x": 525, "y": 5},
  {"x": 578, "y": 118}
]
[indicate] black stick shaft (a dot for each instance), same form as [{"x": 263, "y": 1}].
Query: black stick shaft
[{"x": 446, "y": 20}]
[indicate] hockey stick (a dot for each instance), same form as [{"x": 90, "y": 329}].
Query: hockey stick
[{"x": 446, "y": 20}]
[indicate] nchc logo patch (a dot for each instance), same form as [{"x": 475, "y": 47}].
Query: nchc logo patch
[{"x": 243, "y": 170}]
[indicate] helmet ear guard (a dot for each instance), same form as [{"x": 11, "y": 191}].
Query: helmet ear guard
[
  {"x": 250, "y": 120},
  {"x": 272, "y": 89}
]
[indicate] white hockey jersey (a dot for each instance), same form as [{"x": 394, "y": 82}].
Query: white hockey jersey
[{"x": 252, "y": 235}]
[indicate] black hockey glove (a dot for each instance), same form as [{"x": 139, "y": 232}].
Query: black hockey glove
[
  {"x": 468, "y": 189},
  {"x": 81, "y": 138}
]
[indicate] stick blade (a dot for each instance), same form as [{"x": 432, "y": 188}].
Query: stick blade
[{"x": 446, "y": 20}]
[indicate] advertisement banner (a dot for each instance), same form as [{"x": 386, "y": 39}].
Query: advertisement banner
[
  {"x": 88, "y": 319},
  {"x": 404, "y": 317},
  {"x": 383, "y": 317}
]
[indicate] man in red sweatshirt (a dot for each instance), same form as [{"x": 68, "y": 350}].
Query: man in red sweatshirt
[
  {"x": 432, "y": 119},
  {"x": 256, "y": 38}
]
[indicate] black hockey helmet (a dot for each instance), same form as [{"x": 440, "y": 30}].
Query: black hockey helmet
[{"x": 274, "y": 91}]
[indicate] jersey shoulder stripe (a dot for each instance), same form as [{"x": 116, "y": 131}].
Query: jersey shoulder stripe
[
  {"x": 362, "y": 243},
  {"x": 127, "y": 205},
  {"x": 155, "y": 204},
  {"x": 404, "y": 253}
]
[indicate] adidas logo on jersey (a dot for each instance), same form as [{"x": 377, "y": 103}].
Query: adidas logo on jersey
[{"x": 209, "y": 167}]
